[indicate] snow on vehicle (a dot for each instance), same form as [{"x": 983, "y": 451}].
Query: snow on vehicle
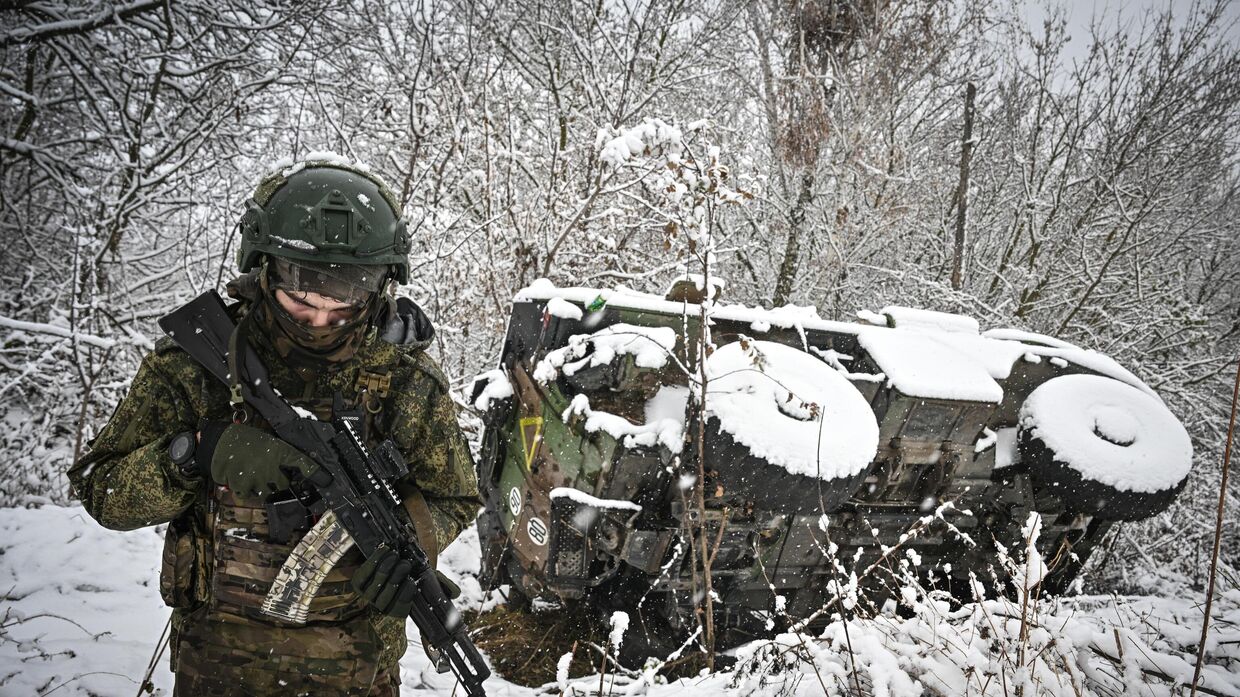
[{"x": 590, "y": 421}]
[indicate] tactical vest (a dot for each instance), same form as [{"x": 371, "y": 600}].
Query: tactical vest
[
  {"x": 246, "y": 560},
  {"x": 221, "y": 634}
]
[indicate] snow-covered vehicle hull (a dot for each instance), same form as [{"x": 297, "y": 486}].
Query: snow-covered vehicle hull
[{"x": 910, "y": 430}]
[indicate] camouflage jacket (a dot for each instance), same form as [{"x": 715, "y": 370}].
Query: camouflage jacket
[{"x": 127, "y": 479}]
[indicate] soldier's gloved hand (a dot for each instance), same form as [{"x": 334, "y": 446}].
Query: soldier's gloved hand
[
  {"x": 253, "y": 462},
  {"x": 450, "y": 588},
  {"x": 383, "y": 580}
]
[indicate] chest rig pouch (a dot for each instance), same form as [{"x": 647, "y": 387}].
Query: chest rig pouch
[
  {"x": 253, "y": 537},
  {"x": 335, "y": 650},
  {"x": 287, "y": 517},
  {"x": 183, "y": 577}
]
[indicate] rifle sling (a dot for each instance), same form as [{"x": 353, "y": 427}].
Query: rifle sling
[
  {"x": 235, "y": 341},
  {"x": 420, "y": 513}
]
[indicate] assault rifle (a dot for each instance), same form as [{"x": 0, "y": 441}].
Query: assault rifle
[{"x": 358, "y": 504}]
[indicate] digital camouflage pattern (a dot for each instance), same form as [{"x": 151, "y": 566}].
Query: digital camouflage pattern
[
  {"x": 218, "y": 563},
  {"x": 216, "y": 658}
]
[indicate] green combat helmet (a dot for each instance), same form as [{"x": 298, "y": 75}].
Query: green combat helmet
[{"x": 324, "y": 211}]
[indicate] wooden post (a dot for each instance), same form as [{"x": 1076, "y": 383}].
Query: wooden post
[{"x": 962, "y": 210}]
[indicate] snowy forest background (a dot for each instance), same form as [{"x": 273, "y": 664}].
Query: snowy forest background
[{"x": 1102, "y": 202}]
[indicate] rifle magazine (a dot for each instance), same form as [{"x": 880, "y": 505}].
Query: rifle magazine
[{"x": 303, "y": 573}]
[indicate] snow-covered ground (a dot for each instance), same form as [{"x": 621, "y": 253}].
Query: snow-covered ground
[{"x": 81, "y": 615}]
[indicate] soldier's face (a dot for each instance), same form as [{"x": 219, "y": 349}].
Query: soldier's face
[{"x": 315, "y": 310}]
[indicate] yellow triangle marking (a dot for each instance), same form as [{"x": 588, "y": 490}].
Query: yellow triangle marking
[{"x": 531, "y": 435}]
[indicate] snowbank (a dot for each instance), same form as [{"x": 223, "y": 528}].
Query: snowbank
[
  {"x": 82, "y": 612},
  {"x": 82, "y": 604},
  {"x": 82, "y": 615}
]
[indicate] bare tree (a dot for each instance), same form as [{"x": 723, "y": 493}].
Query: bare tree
[
  {"x": 111, "y": 186},
  {"x": 1101, "y": 205}
]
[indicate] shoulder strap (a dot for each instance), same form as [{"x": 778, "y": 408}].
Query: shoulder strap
[
  {"x": 377, "y": 382},
  {"x": 420, "y": 513}
]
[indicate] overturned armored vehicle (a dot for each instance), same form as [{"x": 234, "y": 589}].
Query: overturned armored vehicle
[{"x": 821, "y": 442}]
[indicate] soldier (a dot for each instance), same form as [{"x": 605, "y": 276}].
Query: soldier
[{"x": 322, "y": 249}]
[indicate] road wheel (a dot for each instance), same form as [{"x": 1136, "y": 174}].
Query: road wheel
[{"x": 1103, "y": 447}]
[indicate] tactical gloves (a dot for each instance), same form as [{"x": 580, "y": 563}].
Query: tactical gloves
[
  {"x": 253, "y": 462},
  {"x": 384, "y": 581}
]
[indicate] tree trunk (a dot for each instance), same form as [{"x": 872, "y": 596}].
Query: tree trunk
[
  {"x": 962, "y": 209},
  {"x": 792, "y": 249}
]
